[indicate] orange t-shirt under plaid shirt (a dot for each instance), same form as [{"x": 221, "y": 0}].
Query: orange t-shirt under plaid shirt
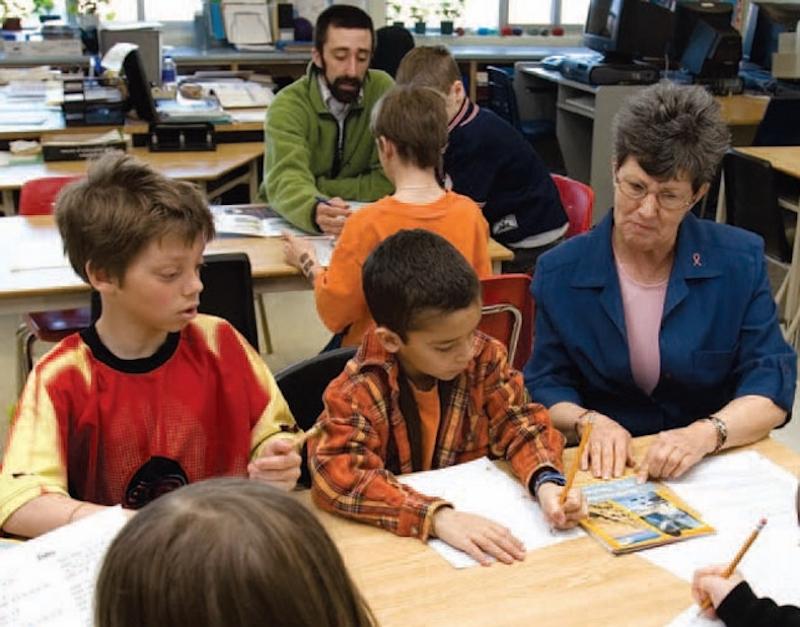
[{"x": 337, "y": 290}]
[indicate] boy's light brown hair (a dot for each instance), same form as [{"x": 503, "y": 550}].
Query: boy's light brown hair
[
  {"x": 415, "y": 120},
  {"x": 429, "y": 66},
  {"x": 109, "y": 217},
  {"x": 225, "y": 552}
]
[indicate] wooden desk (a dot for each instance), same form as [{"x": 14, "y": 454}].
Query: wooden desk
[
  {"x": 786, "y": 159},
  {"x": 58, "y": 287},
  {"x": 576, "y": 582},
  {"x": 202, "y": 168}
]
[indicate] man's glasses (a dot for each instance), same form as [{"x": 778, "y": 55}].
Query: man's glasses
[{"x": 666, "y": 199}]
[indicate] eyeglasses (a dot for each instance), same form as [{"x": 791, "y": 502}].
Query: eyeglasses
[{"x": 666, "y": 199}]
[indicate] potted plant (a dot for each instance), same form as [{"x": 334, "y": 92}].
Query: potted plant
[
  {"x": 396, "y": 13},
  {"x": 418, "y": 12},
  {"x": 12, "y": 11},
  {"x": 449, "y": 9},
  {"x": 87, "y": 13}
]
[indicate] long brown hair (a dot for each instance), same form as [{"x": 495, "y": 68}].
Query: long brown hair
[{"x": 226, "y": 552}]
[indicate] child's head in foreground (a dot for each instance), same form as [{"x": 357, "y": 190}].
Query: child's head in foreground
[
  {"x": 410, "y": 123},
  {"x": 226, "y": 552},
  {"x": 433, "y": 67},
  {"x": 426, "y": 300},
  {"x": 137, "y": 237}
]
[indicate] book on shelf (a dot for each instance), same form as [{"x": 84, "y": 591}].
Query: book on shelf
[{"x": 627, "y": 516}]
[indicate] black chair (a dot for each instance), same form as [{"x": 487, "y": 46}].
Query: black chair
[
  {"x": 302, "y": 385},
  {"x": 391, "y": 45},
  {"x": 752, "y": 203},
  {"x": 780, "y": 125},
  {"x": 227, "y": 293},
  {"x": 503, "y": 101}
]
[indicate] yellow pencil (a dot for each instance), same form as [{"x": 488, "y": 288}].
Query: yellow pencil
[
  {"x": 311, "y": 433},
  {"x": 576, "y": 462},
  {"x": 737, "y": 558}
]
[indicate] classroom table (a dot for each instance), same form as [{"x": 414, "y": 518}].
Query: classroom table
[
  {"x": 227, "y": 166},
  {"x": 26, "y": 286},
  {"x": 785, "y": 159},
  {"x": 576, "y": 582}
]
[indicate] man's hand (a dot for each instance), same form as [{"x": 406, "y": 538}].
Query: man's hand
[
  {"x": 278, "y": 464},
  {"x": 330, "y": 215},
  {"x": 709, "y": 583},
  {"x": 478, "y": 537},
  {"x": 561, "y": 516},
  {"x": 609, "y": 450},
  {"x": 675, "y": 451},
  {"x": 295, "y": 247}
]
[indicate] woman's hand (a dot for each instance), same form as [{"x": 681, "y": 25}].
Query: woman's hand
[
  {"x": 609, "y": 449},
  {"x": 708, "y": 583},
  {"x": 677, "y": 450}
]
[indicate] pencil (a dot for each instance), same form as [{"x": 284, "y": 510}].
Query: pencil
[
  {"x": 311, "y": 433},
  {"x": 576, "y": 462},
  {"x": 737, "y": 558}
]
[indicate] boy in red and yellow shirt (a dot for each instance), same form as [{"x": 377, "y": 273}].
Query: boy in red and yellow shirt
[
  {"x": 152, "y": 396},
  {"x": 426, "y": 390}
]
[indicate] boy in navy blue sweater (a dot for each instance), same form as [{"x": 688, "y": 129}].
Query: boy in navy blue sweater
[{"x": 491, "y": 162}]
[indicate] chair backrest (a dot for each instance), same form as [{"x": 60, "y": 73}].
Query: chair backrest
[
  {"x": 391, "y": 45},
  {"x": 502, "y": 99},
  {"x": 780, "y": 125},
  {"x": 227, "y": 293},
  {"x": 507, "y": 314},
  {"x": 37, "y": 197},
  {"x": 751, "y": 201},
  {"x": 302, "y": 385},
  {"x": 578, "y": 201}
]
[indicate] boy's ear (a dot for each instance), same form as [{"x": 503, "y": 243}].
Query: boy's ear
[
  {"x": 457, "y": 90},
  {"x": 386, "y": 146},
  {"x": 389, "y": 339},
  {"x": 100, "y": 279}
]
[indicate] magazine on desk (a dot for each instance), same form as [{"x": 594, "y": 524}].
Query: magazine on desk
[{"x": 626, "y": 516}]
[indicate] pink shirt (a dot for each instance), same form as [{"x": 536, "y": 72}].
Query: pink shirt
[{"x": 644, "y": 307}]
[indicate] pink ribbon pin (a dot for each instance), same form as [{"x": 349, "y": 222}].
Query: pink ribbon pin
[{"x": 696, "y": 260}]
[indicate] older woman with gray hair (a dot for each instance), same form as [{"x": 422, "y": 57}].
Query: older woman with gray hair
[{"x": 656, "y": 322}]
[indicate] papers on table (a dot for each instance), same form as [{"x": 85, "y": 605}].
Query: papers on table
[
  {"x": 735, "y": 491},
  {"x": 51, "y": 580},
  {"x": 692, "y": 618},
  {"x": 479, "y": 487}
]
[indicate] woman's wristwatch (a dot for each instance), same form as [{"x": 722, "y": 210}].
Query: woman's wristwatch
[{"x": 722, "y": 431}]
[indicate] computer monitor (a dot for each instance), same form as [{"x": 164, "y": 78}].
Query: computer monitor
[
  {"x": 139, "y": 93},
  {"x": 626, "y": 30},
  {"x": 704, "y": 42}
]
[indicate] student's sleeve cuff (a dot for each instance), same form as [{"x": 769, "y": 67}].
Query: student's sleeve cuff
[{"x": 28, "y": 489}]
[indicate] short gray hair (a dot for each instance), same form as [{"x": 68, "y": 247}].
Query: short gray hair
[{"x": 672, "y": 130}]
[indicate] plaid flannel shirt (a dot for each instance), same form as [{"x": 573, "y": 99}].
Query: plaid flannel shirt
[{"x": 364, "y": 442}]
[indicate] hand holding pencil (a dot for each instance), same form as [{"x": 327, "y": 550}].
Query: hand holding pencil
[
  {"x": 565, "y": 507},
  {"x": 712, "y": 584}
]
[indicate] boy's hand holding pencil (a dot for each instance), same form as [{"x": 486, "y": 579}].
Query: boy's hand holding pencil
[
  {"x": 278, "y": 464},
  {"x": 565, "y": 507}
]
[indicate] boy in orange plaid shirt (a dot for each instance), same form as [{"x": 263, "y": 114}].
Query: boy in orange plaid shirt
[{"x": 427, "y": 390}]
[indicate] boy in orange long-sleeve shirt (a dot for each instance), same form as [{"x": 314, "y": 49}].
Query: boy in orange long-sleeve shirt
[{"x": 410, "y": 124}]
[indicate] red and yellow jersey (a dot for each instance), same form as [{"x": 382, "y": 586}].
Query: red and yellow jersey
[{"x": 110, "y": 431}]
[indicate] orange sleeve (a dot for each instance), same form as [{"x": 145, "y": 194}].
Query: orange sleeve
[
  {"x": 482, "y": 262},
  {"x": 337, "y": 290}
]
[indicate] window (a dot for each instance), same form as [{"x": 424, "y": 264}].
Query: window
[
  {"x": 487, "y": 14},
  {"x": 161, "y": 11}
]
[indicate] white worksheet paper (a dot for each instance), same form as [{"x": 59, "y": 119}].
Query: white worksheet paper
[
  {"x": 479, "y": 487},
  {"x": 733, "y": 492},
  {"x": 49, "y": 581}
]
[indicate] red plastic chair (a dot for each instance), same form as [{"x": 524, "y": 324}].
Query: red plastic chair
[
  {"x": 508, "y": 311},
  {"x": 37, "y": 197},
  {"x": 578, "y": 201}
]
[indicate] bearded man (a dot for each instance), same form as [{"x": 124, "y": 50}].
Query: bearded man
[{"x": 320, "y": 152}]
